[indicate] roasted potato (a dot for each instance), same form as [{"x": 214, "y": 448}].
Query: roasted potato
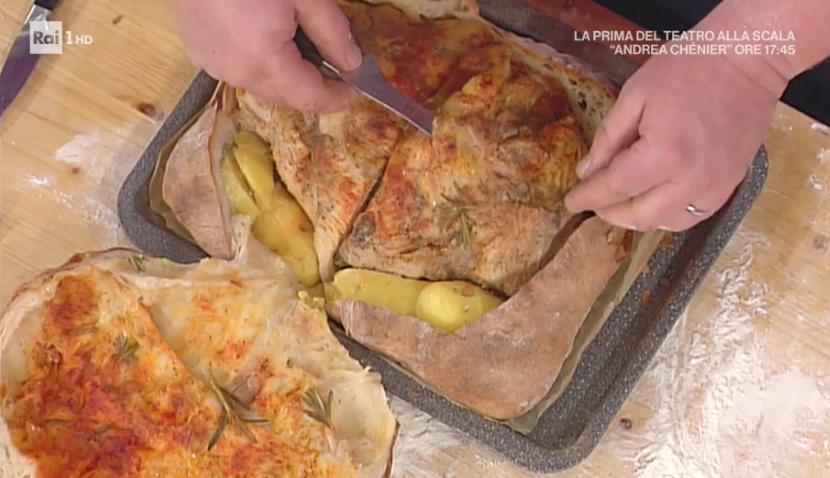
[
  {"x": 449, "y": 305},
  {"x": 286, "y": 229},
  {"x": 239, "y": 195},
  {"x": 252, "y": 141},
  {"x": 258, "y": 169},
  {"x": 380, "y": 289}
]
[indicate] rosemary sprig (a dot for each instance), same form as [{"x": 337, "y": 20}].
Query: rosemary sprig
[
  {"x": 260, "y": 421},
  {"x": 229, "y": 414},
  {"x": 231, "y": 397},
  {"x": 137, "y": 261},
  {"x": 103, "y": 430},
  {"x": 318, "y": 409},
  {"x": 125, "y": 348},
  {"x": 223, "y": 422},
  {"x": 456, "y": 214}
]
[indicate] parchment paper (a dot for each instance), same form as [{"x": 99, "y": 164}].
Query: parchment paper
[{"x": 154, "y": 189}]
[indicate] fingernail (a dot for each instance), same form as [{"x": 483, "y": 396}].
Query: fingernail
[{"x": 353, "y": 56}]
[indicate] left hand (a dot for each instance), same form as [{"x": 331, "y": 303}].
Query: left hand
[{"x": 683, "y": 132}]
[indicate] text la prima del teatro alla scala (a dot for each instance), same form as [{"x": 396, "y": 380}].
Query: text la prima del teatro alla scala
[{"x": 685, "y": 36}]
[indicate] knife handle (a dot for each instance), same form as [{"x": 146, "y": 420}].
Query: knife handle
[
  {"x": 50, "y": 5},
  {"x": 310, "y": 53}
]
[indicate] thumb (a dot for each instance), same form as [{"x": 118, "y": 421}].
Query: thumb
[
  {"x": 327, "y": 26},
  {"x": 619, "y": 130}
]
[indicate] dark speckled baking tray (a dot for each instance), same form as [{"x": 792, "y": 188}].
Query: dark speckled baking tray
[{"x": 612, "y": 363}]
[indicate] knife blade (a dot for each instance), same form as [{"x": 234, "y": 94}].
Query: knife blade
[
  {"x": 20, "y": 62},
  {"x": 369, "y": 81}
]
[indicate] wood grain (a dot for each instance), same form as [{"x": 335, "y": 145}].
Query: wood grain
[{"x": 740, "y": 388}]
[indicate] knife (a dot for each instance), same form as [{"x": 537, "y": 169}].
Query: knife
[
  {"x": 19, "y": 62},
  {"x": 369, "y": 81}
]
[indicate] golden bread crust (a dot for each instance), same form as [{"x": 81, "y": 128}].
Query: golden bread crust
[
  {"x": 110, "y": 364},
  {"x": 503, "y": 363}
]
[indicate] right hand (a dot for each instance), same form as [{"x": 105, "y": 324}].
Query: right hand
[
  {"x": 649, "y": 163},
  {"x": 249, "y": 44}
]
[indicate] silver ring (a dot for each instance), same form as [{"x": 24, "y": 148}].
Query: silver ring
[{"x": 695, "y": 211}]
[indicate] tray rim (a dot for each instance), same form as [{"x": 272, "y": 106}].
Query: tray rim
[{"x": 533, "y": 457}]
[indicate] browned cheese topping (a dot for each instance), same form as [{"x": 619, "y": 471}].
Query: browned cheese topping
[{"x": 110, "y": 398}]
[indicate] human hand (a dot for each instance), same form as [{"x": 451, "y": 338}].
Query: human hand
[
  {"x": 683, "y": 132},
  {"x": 249, "y": 44}
]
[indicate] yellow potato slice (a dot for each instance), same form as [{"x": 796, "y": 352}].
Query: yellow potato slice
[
  {"x": 286, "y": 229},
  {"x": 379, "y": 289},
  {"x": 252, "y": 141},
  {"x": 258, "y": 169},
  {"x": 240, "y": 197},
  {"x": 449, "y": 305}
]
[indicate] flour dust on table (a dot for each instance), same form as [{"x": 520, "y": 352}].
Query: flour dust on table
[
  {"x": 744, "y": 410},
  {"x": 96, "y": 164},
  {"x": 817, "y": 183}
]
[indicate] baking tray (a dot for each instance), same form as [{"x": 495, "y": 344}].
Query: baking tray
[{"x": 568, "y": 431}]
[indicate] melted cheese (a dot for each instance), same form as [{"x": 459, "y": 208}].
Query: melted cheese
[
  {"x": 106, "y": 393},
  {"x": 415, "y": 54}
]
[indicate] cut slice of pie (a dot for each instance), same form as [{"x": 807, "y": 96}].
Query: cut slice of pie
[{"x": 120, "y": 365}]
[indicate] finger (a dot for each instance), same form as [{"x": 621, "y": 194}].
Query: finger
[
  {"x": 327, "y": 26},
  {"x": 664, "y": 207},
  {"x": 340, "y": 96},
  {"x": 632, "y": 172},
  {"x": 264, "y": 89},
  {"x": 255, "y": 84},
  {"x": 618, "y": 131},
  {"x": 647, "y": 211},
  {"x": 302, "y": 84},
  {"x": 709, "y": 202}
]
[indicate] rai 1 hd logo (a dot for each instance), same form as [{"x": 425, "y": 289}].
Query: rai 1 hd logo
[{"x": 48, "y": 38}]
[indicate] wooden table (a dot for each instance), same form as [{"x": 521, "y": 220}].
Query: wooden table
[{"x": 741, "y": 387}]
